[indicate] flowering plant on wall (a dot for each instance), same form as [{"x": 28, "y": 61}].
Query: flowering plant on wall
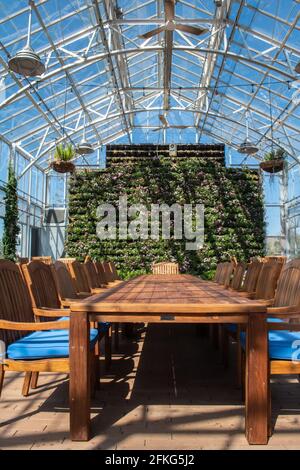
[{"x": 233, "y": 211}]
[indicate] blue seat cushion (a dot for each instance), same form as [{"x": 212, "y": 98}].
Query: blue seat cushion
[
  {"x": 103, "y": 326},
  {"x": 281, "y": 345},
  {"x": 45, "y": 344},
  {"x": 232, "y": 327}
]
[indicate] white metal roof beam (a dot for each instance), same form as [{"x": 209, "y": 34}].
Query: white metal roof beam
[
  {"x": 69, "y": 77},
  {"x": 226, "y": 54},
  {"x": 215, "y": 40},
  {"x": 102, "y": 33},
  {"x": 265, "y": 72},
  {"x": 117, "y": 42},
  {"x": 97, "y": 57}
]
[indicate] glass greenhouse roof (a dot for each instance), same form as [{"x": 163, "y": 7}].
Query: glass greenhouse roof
[{"x": 99, "y": 65}]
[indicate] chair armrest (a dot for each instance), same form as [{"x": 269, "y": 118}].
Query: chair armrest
[
  {"x": 51, "y": 312},
  {"x": 98, "y": 290},
  {"x": 249, "y": 295},
  {"x": 67, "y": 303},
  {"x": 49, "y": 325},
  {"x": 82, "y": 295},
  {"x": 284, "y": 312},
  {"x": 284, "y": 326}
]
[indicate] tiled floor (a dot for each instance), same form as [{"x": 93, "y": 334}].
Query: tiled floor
[{"x": 166, "y": 390}]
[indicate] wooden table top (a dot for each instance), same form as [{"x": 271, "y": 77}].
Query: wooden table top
[{"x": 174, "y": 294}]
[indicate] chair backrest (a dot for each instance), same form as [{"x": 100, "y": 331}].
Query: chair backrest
[
  {"x": 65, "y": 284},
  {"x": 238, "y": 276},
  {"x": 66, "y": 260},
  {"x": 43, "y": 259},
  {"x": 101, "y": 273},
  {"x": 288, "y": 286},
  {"x": 79, "y": 276},
  {"x": 15, "y": 302},
  {"x": 165, "y": 267},
  {"x": 22, "y": 260},
  {"x": 41, "y": 284},
  {"x": 108, "y": 272},
  {"x": 279, "y": 259},
  {"x": 226, "y": 273},
  {"x": 218, "y": 272},
  {"x": 92, "y": 275},
  {"x": 251, "y": 277},
  {"x": 267, "y": 279},
  {"x": 114, "y": 271}
]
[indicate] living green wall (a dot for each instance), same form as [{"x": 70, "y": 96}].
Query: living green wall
[{"x": 233, "y": 211}]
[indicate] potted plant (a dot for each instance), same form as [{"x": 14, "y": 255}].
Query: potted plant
[
  {"x": 273, "y": 161},
  {"x": 63, "y": 157}
]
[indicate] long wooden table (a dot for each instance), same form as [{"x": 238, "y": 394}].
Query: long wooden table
[{"x": 166, "y": 299}]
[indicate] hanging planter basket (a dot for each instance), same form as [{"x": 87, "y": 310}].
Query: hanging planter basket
[
  {"x": 60, "y": 166},
  {"x": 272, "y": 166}
]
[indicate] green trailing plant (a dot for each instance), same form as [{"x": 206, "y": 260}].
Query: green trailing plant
[
  {"x": 233, "y": 200},
  {"x": 277, "y": 154},
  {"x": 64, "y": 153},
  {"x": 11, "y": 228}
]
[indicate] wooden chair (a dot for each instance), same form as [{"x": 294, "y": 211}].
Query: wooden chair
[
  {"x": 43, "y": 259},
  {"x": 165, "y": 268},
  {"x": 65, "y": 286},
  {"x": 267, "y": 280},
  {"x": 218, "y": 272},
  {"x": 79, "y": 277},
  {"x": 101, "y": 273},
  {"x": 46, "y": 349},
  {"x": 107, "y": 272},
  {"x": 238, "y": 276},
  {"x": 42, "y": 286},
  {"x": 92, "y": 275},
  {"x": 283, "y": 325},
  {"x": 83, "y": 285},
  {"x": 226, "y": 273},
  {"x": 114, "y": 271},
  {"x": 251, "y": 277},
  {"x": 265, "y": 290}
]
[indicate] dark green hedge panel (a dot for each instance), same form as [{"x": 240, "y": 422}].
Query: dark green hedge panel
[{"x": 233, "y": 211}]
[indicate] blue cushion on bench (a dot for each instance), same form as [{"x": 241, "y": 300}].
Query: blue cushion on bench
[
  {"x": 44, "y": 344},
  {"x": 280, "y": 344}
]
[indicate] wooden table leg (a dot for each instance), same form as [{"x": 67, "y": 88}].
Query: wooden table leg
[
  {"x": 257, "y": 380},
  {"x": 79, "y": 376}
]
